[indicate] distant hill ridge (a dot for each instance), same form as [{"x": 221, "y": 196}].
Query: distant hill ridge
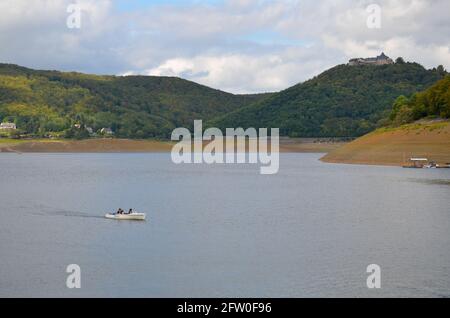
[
  {"x": 43, "y": 102},
  {"x": 343, "y": 101}
]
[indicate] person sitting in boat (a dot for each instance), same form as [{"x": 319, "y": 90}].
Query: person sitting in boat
[
  {"x": 120, "y": 211},
  {"x": 130, "y": 211}
]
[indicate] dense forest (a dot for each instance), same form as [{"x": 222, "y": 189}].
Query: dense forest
[
  {"x": 51, "y": 103},
  {"x": 341, "y": 102},
  {"x": 433, "y": 102}
]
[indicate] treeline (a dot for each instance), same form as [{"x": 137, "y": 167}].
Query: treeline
[
  {"x": 51, "y": 103},
  {"x": 433, "y": 102},
  {"x": 344, "y": 101}
]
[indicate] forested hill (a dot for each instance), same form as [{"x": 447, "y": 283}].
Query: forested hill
[
  {"x": 52, "y": 102},
  {"x": 343, "y": 101}
]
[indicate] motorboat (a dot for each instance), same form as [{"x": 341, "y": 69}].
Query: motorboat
[{"x": 126, "y": 216}]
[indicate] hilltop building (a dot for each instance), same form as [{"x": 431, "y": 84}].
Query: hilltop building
[
  {"x": 379, "y": 60},
  {"x": 8, "y": 126}
]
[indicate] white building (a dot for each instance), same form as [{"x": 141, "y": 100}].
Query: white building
[
  {"x": 10, "y": 126},
  {"x": 106, "y": 131}
]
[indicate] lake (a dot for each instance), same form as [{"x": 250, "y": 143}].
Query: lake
[{"x": 221, "y": 231}]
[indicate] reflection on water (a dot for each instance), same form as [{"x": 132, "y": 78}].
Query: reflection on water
[{"x": 224, "y": 230}]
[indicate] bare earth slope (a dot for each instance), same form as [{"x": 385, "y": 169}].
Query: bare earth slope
[{"x": 393, "y": 146}]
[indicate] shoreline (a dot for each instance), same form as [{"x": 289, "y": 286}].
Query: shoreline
[
  {"x": 383, "y": 147},
  {"x": 116, "y": 145},
  {"x": 395, "y": 146}
]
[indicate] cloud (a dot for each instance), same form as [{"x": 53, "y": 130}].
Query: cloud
[
  {"x": 240, "y": 46},
  {"x": 34, "y": 33},
  {"x": 261, "y": 73}
]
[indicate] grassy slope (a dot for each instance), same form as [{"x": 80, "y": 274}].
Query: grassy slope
[{"x": 391, "y": 146}]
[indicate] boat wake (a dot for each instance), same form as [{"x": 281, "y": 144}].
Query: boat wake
[{"x": 67, "y": 213}]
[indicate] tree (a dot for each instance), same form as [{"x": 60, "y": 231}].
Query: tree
[
  {"x": 441, "y": 70},
  {"x": 400, "y": 60},
  {"x": 398, "y": 104},
  {"x": 404, "y": 115},
  {"x": 433, "y": 102}
]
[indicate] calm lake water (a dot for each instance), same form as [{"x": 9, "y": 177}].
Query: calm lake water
[{"x": 221, "y": 231}]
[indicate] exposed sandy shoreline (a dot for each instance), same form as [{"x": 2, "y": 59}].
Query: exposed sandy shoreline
[
  {"x": 388, "y": 146},
  {"x": 136, "y": 146},
  {"x": 395, "y": 146}
]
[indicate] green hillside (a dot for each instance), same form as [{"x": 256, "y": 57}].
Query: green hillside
[
  {"x": 433, "y": 102},
  {"x": 46, "y": 102},
  {"x": 343, "y": 101}
]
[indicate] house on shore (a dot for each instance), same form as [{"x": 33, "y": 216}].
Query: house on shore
[
  {"x": 382, "y": 59},
  {"x": 106, "y": 131},
  {"x": 8, "y": 126}
]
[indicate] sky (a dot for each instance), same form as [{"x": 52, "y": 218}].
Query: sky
[{"x": 239, "y": 46}]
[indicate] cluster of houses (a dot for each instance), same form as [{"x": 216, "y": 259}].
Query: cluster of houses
[
  {"x": 90, "y": 130},
  {"x": 6, "y": 126}
]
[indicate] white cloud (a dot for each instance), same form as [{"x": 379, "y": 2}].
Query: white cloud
[
  {"x": 262, "y": 73},
  {"x": 35, "y": 34},
  {"x": 239, "y": 45}
]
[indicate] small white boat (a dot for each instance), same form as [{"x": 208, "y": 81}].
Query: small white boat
[{"x": 132, "y": 216}]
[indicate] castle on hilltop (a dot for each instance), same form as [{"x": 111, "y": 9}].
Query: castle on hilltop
[{"x": 379, "y": 60}]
